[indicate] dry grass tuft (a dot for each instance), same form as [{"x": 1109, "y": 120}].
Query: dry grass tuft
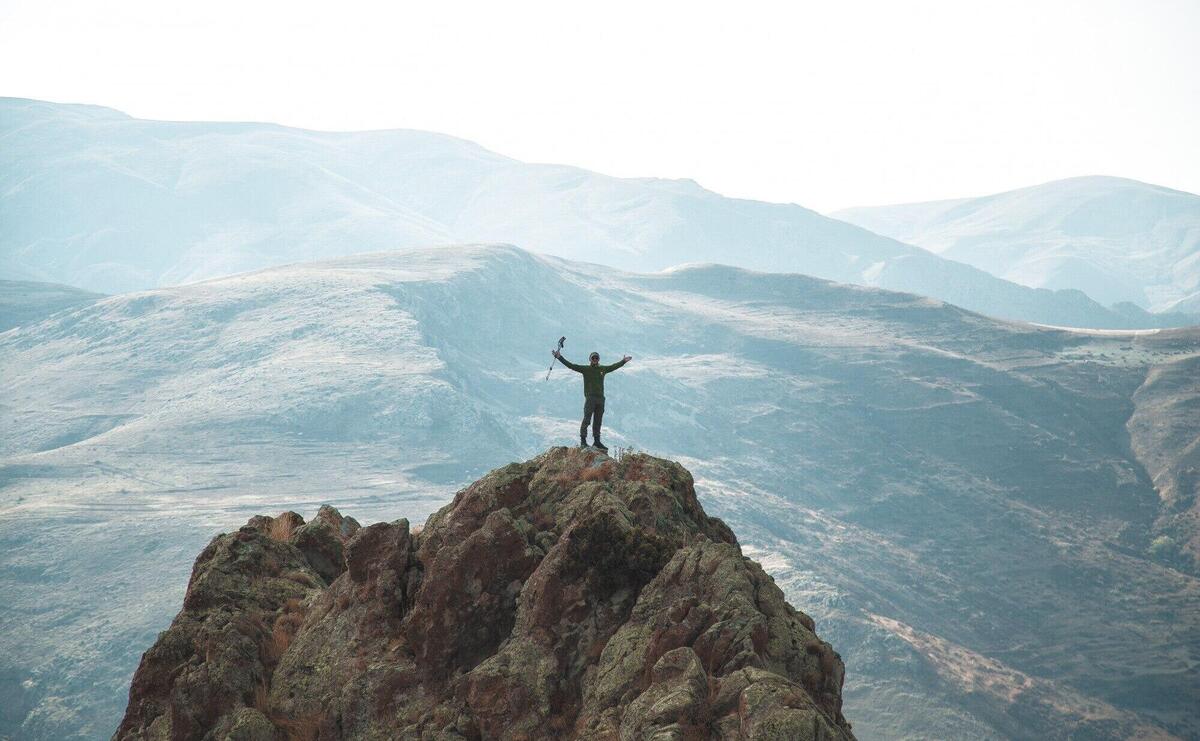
[
  {"x": 301, "y": 577},
  {"x": 283, "y": 633},
  {"x": 286, "y": 626},
  {"x": 262, "y": 696},
  {"x": 596, "y": 473},
  {"x": 304, "y": 728},
  {"x": 565, "y": 478},
  {"x": 282, "y": 527},
  {"x": 250, "y": 624}
]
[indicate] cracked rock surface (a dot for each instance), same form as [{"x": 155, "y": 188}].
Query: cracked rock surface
[{"x": 569, "y": 596}]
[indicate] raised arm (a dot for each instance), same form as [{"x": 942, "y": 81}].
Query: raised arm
[
  {"x": 568, "y": 363},
  {"x": 618, "y": 364}
]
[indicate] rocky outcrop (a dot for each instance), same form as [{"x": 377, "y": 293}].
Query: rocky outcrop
[
  {"x": 570, "y": 596},
  {"x": 1164, "y": 433}
]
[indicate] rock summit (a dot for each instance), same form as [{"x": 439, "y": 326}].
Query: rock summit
[{"x": 569, "y": 596}]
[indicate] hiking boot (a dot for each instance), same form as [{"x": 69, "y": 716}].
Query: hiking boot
[
  {"x": 583, "y": 442},
  {"x": 600, "y": 446}
]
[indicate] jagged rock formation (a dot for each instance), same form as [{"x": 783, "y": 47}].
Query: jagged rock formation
[{"x": 570, "y": 596}]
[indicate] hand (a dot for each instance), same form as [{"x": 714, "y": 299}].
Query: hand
[
  {"x": 554, "y": 353},
  {"x": 626, "y": 359}
]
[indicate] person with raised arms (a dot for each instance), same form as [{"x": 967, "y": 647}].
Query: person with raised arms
[{"x": 593, "y": 393}]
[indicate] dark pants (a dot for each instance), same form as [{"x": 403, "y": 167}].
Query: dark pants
[{"x": 593, "y": 411}]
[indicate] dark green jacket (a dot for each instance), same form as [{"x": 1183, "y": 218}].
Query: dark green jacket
[{"x": 593, "y": 375}]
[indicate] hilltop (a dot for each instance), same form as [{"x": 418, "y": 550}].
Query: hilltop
[{"x": 569, "y": 596}]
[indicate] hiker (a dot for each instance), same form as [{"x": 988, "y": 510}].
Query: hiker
[{"x": 593, "y": 393}]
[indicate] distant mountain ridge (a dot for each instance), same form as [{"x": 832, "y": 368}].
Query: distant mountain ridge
[
  {"x": 1117, "y": 240},
  {"x": 96, "y": 199},
  {"x": 24, "y": 302}
]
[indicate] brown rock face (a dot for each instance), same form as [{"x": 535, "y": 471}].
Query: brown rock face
[{"x": 570, "y": 596}]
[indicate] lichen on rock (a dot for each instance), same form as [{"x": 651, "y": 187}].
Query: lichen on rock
[{"x": 568, "y": 596}]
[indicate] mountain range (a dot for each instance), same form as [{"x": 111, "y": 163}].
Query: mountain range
[
  {"x": 95, "y": 199},
  {"x": 1117, "y": 240},
  {"x": 993, "y": 522}
]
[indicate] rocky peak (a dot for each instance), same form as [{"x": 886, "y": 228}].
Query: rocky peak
[{"x": 568, "y": 596}]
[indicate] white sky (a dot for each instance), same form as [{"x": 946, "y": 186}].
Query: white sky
[{"x": 827, "y": 104}]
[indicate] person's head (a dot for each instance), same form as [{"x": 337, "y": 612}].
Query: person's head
[{"x": 594, "y": 358}]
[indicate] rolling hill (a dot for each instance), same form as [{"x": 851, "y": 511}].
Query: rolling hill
[{"x": 22, "y": 302}]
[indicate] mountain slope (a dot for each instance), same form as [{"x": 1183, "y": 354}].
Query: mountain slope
[
  {"x": 569, "y": 596},
  {"x": 953, "y": 498},
  {"x": 1116, "y": 240},
  {"x": 94, "y": 198},
  {"x": 22, "y": 302},
  {"x": 1165, "y": 434}
]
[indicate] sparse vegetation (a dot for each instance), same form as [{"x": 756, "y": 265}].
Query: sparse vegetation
[
  {"x": 596, "y": 473},
  {"x": 282, "y": 527},
  {"x": 1163, "y": 547},
  {"x": 286, "y": 625}
]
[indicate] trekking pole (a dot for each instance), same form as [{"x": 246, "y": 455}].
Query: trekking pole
[{"x": 561, "y": 341}]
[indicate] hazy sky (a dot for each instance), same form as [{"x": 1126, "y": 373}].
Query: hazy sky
[{"x": 826, "y": 104}]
